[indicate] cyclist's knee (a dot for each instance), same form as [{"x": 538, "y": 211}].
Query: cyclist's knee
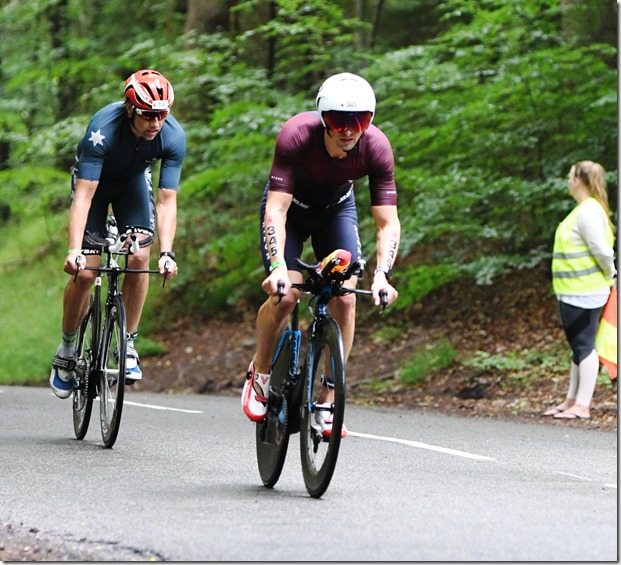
[
  {"x": 345, "y": 303},
  {"x": 290, "y": 299},
  {"x": 281, "y": 309},
  {"x": 86, "y": 278},
  {"x": 139, "y": 260}
]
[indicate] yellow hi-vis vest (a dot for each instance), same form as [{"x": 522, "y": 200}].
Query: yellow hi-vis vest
[{"x": 574, "y": 269}]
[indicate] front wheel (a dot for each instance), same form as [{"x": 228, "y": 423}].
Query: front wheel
[
  {"x": 272, "y": 434},
  {"x": 319, "y": 450},
  {"x": 86, "y": 386},
  {"x": 112, "y": 378}
]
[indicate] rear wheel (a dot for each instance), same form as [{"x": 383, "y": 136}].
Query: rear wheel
[
  {"x": 112, "y": 381},
  {"x": 273, "y": 432},
  {"x": 319, "y": 452},
  {"x": 85, "y": 389}
]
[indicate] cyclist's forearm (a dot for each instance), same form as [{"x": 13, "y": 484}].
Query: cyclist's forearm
[
  {"x": 275, "y": 220},
  {"x": 166, "y": 209},
  {"x": 388, "y": 236}
]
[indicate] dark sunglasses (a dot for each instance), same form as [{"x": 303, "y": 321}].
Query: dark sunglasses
[
  {"x": 152, "y": 114},
  {"x": 341, "y": 121}
]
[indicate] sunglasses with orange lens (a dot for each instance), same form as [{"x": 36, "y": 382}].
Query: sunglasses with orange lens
[{"x": 341, "y": 121}]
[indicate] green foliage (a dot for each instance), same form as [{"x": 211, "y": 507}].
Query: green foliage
[
  {"x": 33, "y": 192},
  {"x": 486, "y": 103},
  {"x": 150, "y": 347},
  {"x": 415, "y": 282},
  {"x": 495, "y": 95},
  {"x": 524, "y": 366},
  {"x": 424, "y": 363},
  {"x": 31, "y": 288},
  {"x": 508, "y": 361},
  {"x": 386, "y": 334},
  {"x": 312, "y": 37},
  {"x": 481, "y": 164}
]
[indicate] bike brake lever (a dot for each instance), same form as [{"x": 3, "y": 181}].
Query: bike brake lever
[
  {"x": 280, "y": 286},
  {"x": 78, "y": 260},
  {"x": 166, "y": 268},
  {"x": 383, "y": 299},
  {"x": 117, "y": 246},
  {"x": 135, "y": 244}
]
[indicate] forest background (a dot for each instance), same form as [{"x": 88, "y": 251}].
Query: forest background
[{"x": 487, "y": 103}]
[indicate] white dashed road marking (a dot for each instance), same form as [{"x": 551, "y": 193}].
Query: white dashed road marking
[
  {"x": 157, "y": 407},
  {"x": 421, "y": 445}
]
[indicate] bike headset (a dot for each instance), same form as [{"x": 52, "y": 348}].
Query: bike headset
[
  {"x": 149, "y": 91},
  {"x": 345, "y": 101}
]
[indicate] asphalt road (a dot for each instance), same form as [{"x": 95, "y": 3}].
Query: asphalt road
[{"x": 182, "y": 484}]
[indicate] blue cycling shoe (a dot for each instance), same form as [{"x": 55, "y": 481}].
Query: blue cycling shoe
[
  {"x": 132, "y": 365},
  {"x": 62, "y": 377}
]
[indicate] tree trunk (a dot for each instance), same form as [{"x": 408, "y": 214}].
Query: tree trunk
[
  {"x": 589, "y": 21},
  {"x": 57, "y": 16},
  {"x": 376, "y": 22},
  {"x": 359, "y": 13},
  {"x": 271, "y": 46},
  {"x": 207, "y": 16}
]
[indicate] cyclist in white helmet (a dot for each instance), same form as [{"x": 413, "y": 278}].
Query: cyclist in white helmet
[{"x": 310, "y": 195}]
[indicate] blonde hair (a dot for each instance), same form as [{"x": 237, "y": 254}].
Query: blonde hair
[{"x": 593, "y": 177}]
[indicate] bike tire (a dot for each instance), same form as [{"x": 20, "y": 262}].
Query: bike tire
[
  {"x": 112, "y": 377},
  {"x": 319, "y": 453},
  {"x": 86, "y": 385},
  {"x": 272, "y": 433}
]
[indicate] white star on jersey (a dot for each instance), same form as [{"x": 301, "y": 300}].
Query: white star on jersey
[{"x": 97, "y": 138}]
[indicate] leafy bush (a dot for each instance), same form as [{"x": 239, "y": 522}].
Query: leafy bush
[{"x": 433, "y": 358}]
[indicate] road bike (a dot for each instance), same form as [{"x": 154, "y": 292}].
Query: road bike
[
  {"x": 102, "y": 337},
  {"x": 297, "y": 391}
]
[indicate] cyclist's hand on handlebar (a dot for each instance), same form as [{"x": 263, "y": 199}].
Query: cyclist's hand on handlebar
[
  {"x": 167, "y": 267},
  {"x": 384, "y": 293},
  {"x": 74, "y": 262},
  {"x": 271, "y": 286}
]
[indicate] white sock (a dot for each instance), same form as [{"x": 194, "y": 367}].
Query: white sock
[{"x": 66, "y": 351}]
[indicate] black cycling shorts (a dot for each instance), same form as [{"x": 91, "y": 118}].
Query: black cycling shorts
[
  {"x": 334, "y": 227},
  {"x": 580, "y": 325},
  {"x": 131, "y": 200}
]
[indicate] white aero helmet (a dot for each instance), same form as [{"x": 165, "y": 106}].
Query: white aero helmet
[{"x": 345, "y": 92}]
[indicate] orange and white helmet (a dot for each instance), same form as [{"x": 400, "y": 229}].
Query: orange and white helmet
[{"x": 149, "y": 90}]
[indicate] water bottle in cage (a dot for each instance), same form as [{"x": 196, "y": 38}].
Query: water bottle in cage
[{"x": 112, "y": 231}]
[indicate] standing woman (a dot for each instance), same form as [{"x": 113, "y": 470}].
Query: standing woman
[{"x": 583, "y": 269}]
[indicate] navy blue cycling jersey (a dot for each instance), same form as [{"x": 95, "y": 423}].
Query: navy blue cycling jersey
[{"x": 109, "y": 150}]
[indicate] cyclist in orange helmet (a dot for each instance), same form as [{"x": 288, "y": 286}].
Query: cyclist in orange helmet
[{"x": 113, "y": 168}]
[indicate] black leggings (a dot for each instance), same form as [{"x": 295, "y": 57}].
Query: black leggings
[{"x": 580, "y": 325}]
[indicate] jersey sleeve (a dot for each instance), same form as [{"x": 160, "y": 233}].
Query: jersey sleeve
[
  {"x": 170, "y": 171},
  {"x": 382, "y": 172},
  {"x": 93, "y": 148},
  {"x": 292, "y": 139}
]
